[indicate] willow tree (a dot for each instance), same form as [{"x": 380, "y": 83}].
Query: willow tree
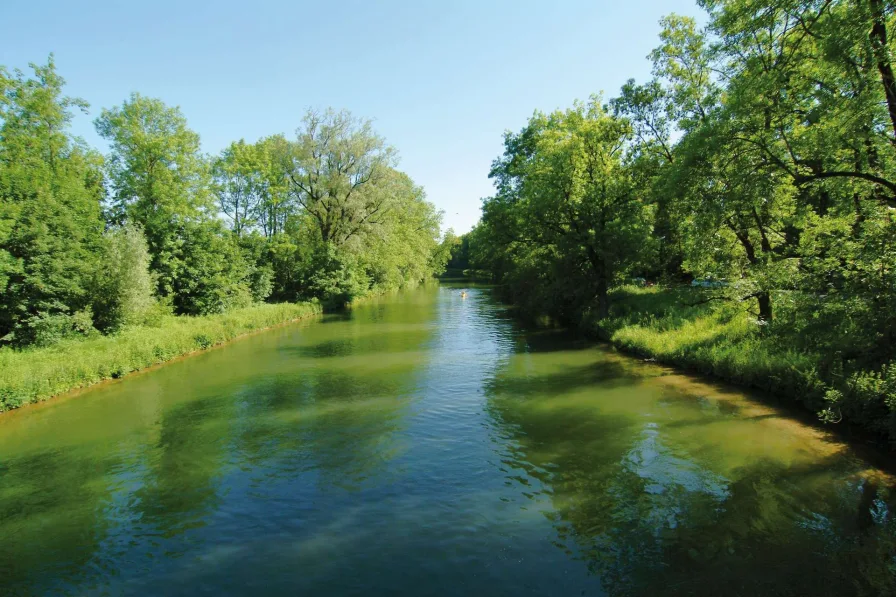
[
  {"x": 403, "y": 248},
  {"x": 337, "y": 162}
]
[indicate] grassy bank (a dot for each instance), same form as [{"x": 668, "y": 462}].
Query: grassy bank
[
  {"x": 36, "y": 374},
  {"x": 676, "y": 326}
]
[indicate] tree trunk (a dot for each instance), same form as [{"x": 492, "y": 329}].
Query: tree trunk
[
  {"x": 878, "y": 38},
  {"x": 603, "y": 285},
  {"x": 765, "y": 306},
  {"x": 603, "y": 299},
  {"x": 764, "y": 298}
]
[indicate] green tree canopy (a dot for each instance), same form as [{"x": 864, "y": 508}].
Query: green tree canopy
[{"x": 50, "y": 212}]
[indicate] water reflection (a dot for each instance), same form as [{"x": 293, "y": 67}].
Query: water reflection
[
  {"x": 35, "y": 493},
  {"x": 224, "y": 432},
  {"x": 651, "y": 489}
]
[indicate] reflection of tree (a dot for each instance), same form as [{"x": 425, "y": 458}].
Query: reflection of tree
[
  {"x": 329, "y": 399},
  {"x": 184, "y": 465},
  {"x": 650, "y": 519},
  {"x": 51, "y": 519},
  {"x": 340, "y": 424},
  {"x": 339, "y": 409}
]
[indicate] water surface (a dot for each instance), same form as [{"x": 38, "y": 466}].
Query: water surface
[{"x": 427, "y": 444}]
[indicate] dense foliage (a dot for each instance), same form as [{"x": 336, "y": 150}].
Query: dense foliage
[
  {"x": 758, "y": 162},
  {"x": 93, "y": 244}
]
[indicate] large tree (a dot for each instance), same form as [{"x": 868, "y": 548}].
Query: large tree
[
  {"x": 161, "y": 181},
  {"x": 337, "y": 164},
  {"x": 158, "y": 178},
  {"x": 50, "y": 211},
  {"x": 567, "y": 201}
]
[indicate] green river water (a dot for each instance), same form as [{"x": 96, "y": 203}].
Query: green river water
[{"x": 427, "y": 444}]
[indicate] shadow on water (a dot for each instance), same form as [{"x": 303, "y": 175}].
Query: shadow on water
[
  {"x": 342, "y": 425},
  {"x": 184, "y": 466},
  {"x": 375, "y": 342},
  {"x": 594, "y": 377},
  {"x": 653, "y": 510},
  {"x": 28, "y": 508}
]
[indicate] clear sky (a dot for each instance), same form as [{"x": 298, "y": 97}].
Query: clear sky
[{"x": 442, "y": 80}]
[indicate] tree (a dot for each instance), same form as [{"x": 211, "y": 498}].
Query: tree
[
  {"x": 652, "y": 114},
  {"x": 278, "y": 203},
  {"x": 50, "y": 213},
  {"x": 158, "y": 178},
  {"x": 336, "y": 166},
  {"x": 239, "y": 184},
  {"x": 566, "y": 201},
  {"x": 214, "y": 276},
  {"x": 733, "y": 215},
  {"x": 453, "y": 251},
  {"x": 401, "y": 249},
  {"x": 122, "y": 289}
]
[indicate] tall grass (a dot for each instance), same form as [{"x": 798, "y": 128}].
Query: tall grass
[
  {"x": 36, "y": 374},
  {"x": 678, "y": 327}
]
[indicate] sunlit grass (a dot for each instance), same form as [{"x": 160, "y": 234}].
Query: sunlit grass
[
  {"x": 674, "y": 327},
  {"x": 32, "y": 375}
]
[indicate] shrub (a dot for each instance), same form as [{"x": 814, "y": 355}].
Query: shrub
[
  {"x": 336, "y": 277},
  {"x": 122, "y": 290},
  {"x": 214, "y": 274},
  {"x": 45, "y": 329}
]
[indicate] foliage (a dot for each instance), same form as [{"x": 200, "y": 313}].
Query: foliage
[
  {"x": 454, "y": 251},
  {"x": 122, "y": 288},
  {"x": 403, "y": 248},
  {"x": 156, "y": 229},
  {"x": 50, "y": 216},
  {"x": 160, "y": 181},
  {"x": 568, "y": 217},
  {"x": 239, "y": 183},
  {"x": 335, "y": 277},
  {"x": 336, "y": 167},
  {"x": 214, "y": 276},
  {"x": 46, "y": 329}
]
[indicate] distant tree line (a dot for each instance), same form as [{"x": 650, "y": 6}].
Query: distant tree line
[{"x": 91, "y": 243}]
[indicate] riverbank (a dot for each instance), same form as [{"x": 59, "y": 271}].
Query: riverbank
[
  {"x": 36, "y": 374},
  {"x": 674, "y": 326}
]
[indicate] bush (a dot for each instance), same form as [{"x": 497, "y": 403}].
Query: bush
[
  {"x": 261, "y": 282},
  {"x": 214, "y": 276},
  {"x": 122, "y": 290},
  {"x": 46, "y": 329},
  {"x": 336, "y": 278}
]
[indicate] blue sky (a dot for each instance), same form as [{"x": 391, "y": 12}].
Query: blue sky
[{"x": 442, "y": 81}]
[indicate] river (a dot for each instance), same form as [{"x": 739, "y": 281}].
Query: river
[{"x": 428, "y": 444}]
